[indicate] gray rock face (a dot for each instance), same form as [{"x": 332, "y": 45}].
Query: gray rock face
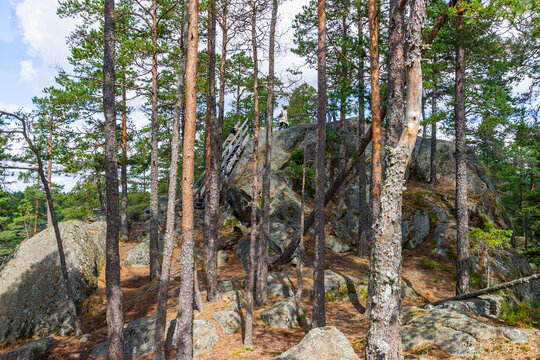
[
  {"x": 32, "y": 294},
  {"x": 321, "y": 343},
  {"x": 205, "y": 336},
  {"x": 456, "y": 333},
  {"x": 488, "y": 306},
  {"x": 138, "y": 339},
  {"x": 282, "y": 315},
  {"x": 341, "y": 287},
  {"x": 418, "y": 226},
  {"x": 139, "y": 256},
  {"x": 30, "y": 351},
  {"x": 407, "y": 292},
  {"x": 222, "y": 257},
  {"x": 335, "y": 245},
  {"x": 229, "y": 320}
]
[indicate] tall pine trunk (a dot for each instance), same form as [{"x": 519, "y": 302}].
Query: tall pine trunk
[
  {"x": 376, "y": 142},
  {"x": 36, "y": 211},
  {"x": 161, "y": 313},
  {"x": 224, "y": 42},
  {"x": 433, "y": 150},
  {"x": 248, "y": 335},
  {"x": 115, "y": 316},
  {"x": 213, "y": 165},
  {"x": 462, "y": 216},
  {"x": 384, "y": 334},
  {"x": 185, "y": 313},
  {"x": 361, "y": 242},
  {"x": 319, "y": 311},
  {"x": 123, "y": 171},
  {"x": 262, "y": 265},
  {"x": 154, "y": 143}
]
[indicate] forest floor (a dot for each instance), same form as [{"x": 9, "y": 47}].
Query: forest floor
[{"x": 140, "y": 299}]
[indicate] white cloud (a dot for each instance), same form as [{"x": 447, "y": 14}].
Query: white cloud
[
  {"x": 28, "y": 73},
  {"x": 42, "y": 30}
]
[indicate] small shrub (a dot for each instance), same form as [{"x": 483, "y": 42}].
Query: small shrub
[
  {"x": 429, "y": 264},
  {"x": 524, "y": 313},
  {"x": 477, "y": 280}
]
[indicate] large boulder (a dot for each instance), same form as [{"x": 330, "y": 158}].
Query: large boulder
[
  {"x": 454, "y": 332},
  {"x": 205, "y": 336},
  {"x": 321, "y": 343},
  {"x": 229, "y": 320},
  {"x": 30, "y": 351},
  {"x": 32, "y": 293},
  {"x": 282, "y": 315},
  {"x": 338, "y": 287}
]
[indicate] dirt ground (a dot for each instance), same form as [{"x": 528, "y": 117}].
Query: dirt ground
[{"x": 140, "y": 299}]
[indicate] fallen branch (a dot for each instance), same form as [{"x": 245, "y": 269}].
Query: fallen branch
[{"x": 490, "y": 289}]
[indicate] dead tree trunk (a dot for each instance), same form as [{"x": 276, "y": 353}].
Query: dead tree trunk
[
  {"x": 488, "y": 290},
  {"x": 213, "y": 165},
  {"x": 36, "y": 211},
  {"x": 394, "y": 112},
  {"x": 262, "y": 265},
  {"x": 301, "y": 248},
  {"x": 185, "y": 313},
  {"x": 161, "y": 312},
  {"x": 384, "y": 334},
  {"x": 462, "y": 216},
  {"x": 319, "y": 312},
  {"x": 248, "y": 335}
]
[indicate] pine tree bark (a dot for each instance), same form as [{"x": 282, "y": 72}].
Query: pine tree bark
[
  {"x": 433, "y": 149},
  {"x": 185, "y": 313},
  {"x": 154, "y": 153},
  {"x": 161, "y": 313},
  {"x": 462, "y": 216},
  {"x": 376, "y": 157},
  {"x": 213, "y": 165},
  {"x": 361, "y": 241},
  {"x": 343, "y": 101},
  {"x": 248, "y": 335},
  {"x": 262, "y": 265},
  {"x": 115, "y": 316},
  {"x": 394, "y": 112},
  {"x": 319, "y": 312},
  {"x": 384, "y": 334},
  {"x": 49, "y": 167},
  {"x": 123, "y": 171},
  {"x": 376, "y": 142}
]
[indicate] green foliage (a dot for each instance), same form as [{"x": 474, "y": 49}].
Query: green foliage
[
  {"x": 477, "y": 280},
  {"x": 303, "y": 105},
  {"x": 429, "y": 264},
  {"x": 492, "y": 237},
  {"x": 524, "y": 313},
  {"x": 294, "y": 172}
]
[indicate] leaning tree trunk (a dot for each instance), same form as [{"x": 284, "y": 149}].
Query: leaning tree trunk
[
  {"x": 433, "y": 150},
  {"x": 49, "y": 167},
  {"x": 115, "y": 316},
  {"x": 224, "y": 42},
  {"x": 36, "y": 211},
  {"x": 361, "y": 241},
  {"x": 319, "y": 312},
  {"x": 384, "y": 334},
  {"x": 262, "y": 265},
  {"x": 154, "y": 153},
  {"x": 213, "y": 165},
  {"x": 298, "y": 295},
  {"x": 161, "y": 313},
  {"x": 185, "y": 313},
  {"x": 248, "y": 335},
  {"x": 462, "y": 216},
  {"x": 376, "y": 143}
]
